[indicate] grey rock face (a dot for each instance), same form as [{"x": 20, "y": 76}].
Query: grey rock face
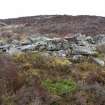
[{"x": 84, "y": 50}]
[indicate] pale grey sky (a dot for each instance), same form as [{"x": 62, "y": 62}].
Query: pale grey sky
[{"x": 19, "y": 8}]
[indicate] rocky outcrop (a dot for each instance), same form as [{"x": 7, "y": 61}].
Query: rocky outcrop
[{"x": 77, "y": 45}]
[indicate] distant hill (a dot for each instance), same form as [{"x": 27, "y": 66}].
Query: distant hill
[{"x": 61, "y": 24}]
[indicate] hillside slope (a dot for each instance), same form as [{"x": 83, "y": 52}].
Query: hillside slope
[{"x": 61, "y": 24}]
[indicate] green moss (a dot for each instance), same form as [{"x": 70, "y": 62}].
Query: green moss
[{"x": 60, "y": 87}]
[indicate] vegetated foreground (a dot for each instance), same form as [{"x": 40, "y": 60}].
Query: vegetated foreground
[
  {"x": 38, "y": 69},
  {"x": 33, "y": 79}
]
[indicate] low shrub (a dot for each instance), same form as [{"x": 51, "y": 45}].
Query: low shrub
[
  {"x": 30, "y": 61},
  {"x": 7, "y": 100},
  {"x": 86, "y": 66}
]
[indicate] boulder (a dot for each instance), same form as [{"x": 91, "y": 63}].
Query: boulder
[
  {"x": 76, "y": 58},
  {"x": 25, "y": 41},
  {"x": 2, "y": 24},
  {"x": 13, "y": 50},
  {"x": 62, "y": 53},
  {"x": 26, "y": 48},
  {"x": 99, "y": 61},
  {"x": 4, "y": 48},
  {"x": 99, "y": 39},
  {"x": 90, "y": 40}
]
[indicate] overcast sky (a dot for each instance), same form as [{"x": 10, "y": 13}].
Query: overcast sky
[{"x": 19, "y": 8}]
